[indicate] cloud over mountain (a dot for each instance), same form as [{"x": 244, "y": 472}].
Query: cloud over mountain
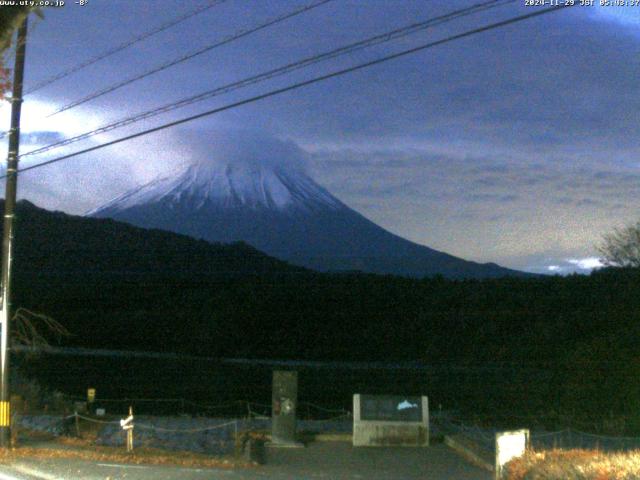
[{"x": 255, "y": 189}]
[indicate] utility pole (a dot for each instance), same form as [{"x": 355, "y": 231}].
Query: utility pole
[{"x": 7, "y": 236}]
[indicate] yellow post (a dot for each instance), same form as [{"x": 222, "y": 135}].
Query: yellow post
[
  {"x": 5, "y": 414},
  {"x": 130, "y": 432}
]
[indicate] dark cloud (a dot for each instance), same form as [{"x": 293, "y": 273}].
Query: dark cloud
[
  {"x": 492, "y": 197},
  {"x": 488, "y": 168}
]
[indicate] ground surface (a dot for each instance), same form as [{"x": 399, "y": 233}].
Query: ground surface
[{"x": 322, "y": 460}]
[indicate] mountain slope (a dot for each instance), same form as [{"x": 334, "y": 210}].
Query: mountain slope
[
  {"x": 73, "y": 245},
  {"x": 284, "y": 213}
]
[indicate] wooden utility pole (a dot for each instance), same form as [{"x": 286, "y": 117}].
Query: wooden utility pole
[{"x": 7, "y": 238}]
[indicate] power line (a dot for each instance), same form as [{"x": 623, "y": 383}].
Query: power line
[
  {"x": 188, "y": 56},
  {"x": 388, "y": 36},
  {"x": 378, "y": 39},
  {"x": 139, "y": 38},
  {"x": 120, "y": 47},
  {"x": 298, "y": 85}
]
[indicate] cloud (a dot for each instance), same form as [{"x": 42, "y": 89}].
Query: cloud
[
  {"x": 622, "y": 15},
  {"x": 504, "y": 89},
  {"x": 80, "y": 183},
  {"x": 551, "y": 263},
  {"x": 569, "y": 266},
  {"x": 588, "y": 263},
  {"x": 35, "y": 122},
  {"x": 243, "y": 148},
  {"x": 85, "y": 182},
  {"x": 523, "y": 214},
  {"x": 40, "y": 138},
  {"x": 492, "y": 197}
]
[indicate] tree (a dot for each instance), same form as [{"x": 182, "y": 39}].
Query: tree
[
  {"x": 621, "y": 248},
  {"x": 10, "y": 18},
  {"x": 32, "y": 329}
]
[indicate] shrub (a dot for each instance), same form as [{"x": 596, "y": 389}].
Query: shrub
[{"x": 575, "y": 465}]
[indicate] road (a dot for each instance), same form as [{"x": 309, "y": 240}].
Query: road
[{"x": 331, "y": 460}]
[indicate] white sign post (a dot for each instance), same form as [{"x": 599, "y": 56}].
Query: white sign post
[
  {"x": 127, "y": 426},
  {"x": 509, "y": 445}
]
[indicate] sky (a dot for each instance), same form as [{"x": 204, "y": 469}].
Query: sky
[{"x": 517, "y": 146}]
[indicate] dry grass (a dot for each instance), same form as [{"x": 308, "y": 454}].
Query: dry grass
[
  {"x": 575, "y": 465},
  {"x": 85, "y": 449}
]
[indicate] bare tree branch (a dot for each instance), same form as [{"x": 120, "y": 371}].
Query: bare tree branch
[
  {"x": 621, "y": 248},
  {"x": 34, "y": 329}
]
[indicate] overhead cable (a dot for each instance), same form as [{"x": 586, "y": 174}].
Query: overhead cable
[
  {"x": 188, "y": 56},
  {"x": 305, "y": 83},
  {"x": 122, "y": 46},
  {"x": 353, "y": 47}
]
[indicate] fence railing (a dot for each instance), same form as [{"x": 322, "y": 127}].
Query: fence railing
[
  {"x": 211, "y": 435},
  {"x": 567, "y": 438},
  {"x": 236, "y": 408}
]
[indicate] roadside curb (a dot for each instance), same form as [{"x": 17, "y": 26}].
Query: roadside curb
[{"x": 470, "y": 450}]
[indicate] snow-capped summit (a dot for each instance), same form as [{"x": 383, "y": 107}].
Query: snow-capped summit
[
  {"x": 258, "y": 193},
  {"x": 207, "y": 184}
]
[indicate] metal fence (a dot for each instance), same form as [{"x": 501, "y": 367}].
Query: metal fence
[
  {"x": 232, "y": 409},
  {"x": 564, "y": 439},
  {"x": 211, "y": 434}
]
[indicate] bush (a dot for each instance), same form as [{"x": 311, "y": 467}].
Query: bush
[
  {"x": 37, "y": 398},
  {"x": 575, "y": 465}
]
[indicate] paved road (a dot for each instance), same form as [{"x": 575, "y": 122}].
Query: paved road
[{"x": 331, "y": 460}]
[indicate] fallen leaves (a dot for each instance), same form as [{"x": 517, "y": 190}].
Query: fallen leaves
[{"x": 73, "y": 448}]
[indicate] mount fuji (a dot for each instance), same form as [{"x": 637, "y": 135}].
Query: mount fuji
[{"x": 279, "y": 209}]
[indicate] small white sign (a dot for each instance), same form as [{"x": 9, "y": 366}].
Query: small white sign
[
  {"x": 510, "y": 445},
  {"x": 127, "y": 423},
  {"x": 406, "y": 404},
  {"x": 100, "y": 412}
]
